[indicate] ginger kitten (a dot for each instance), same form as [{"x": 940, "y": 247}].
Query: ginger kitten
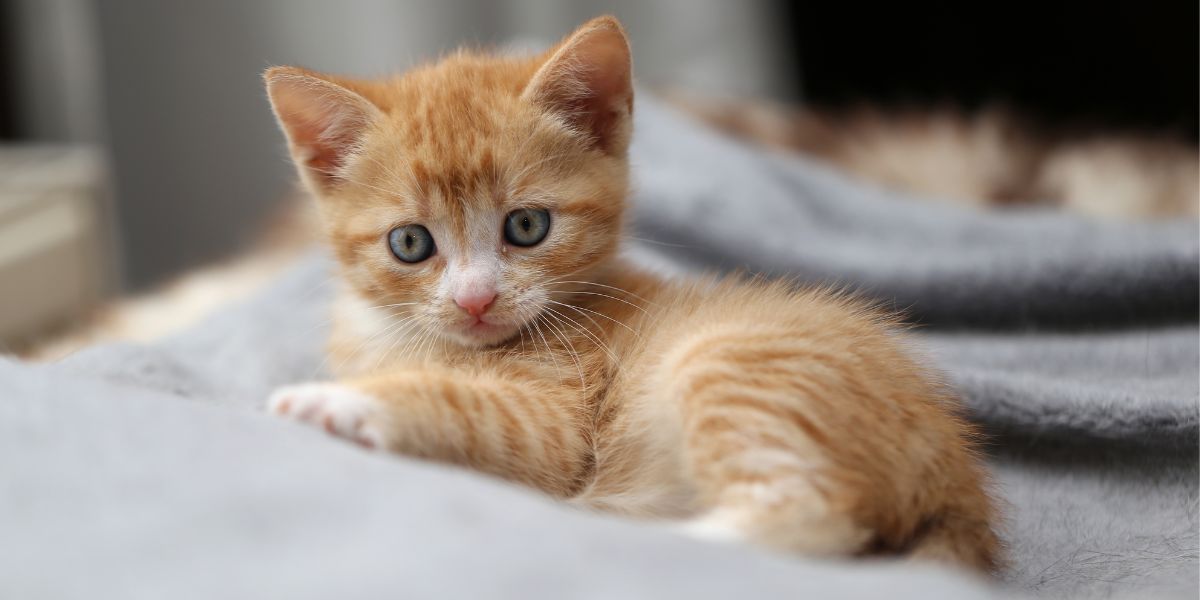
[{"x": 475, "y": 208}]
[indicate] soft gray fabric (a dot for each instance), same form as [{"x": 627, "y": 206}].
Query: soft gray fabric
[
  {"x": 710, "y": 202},
  {"x": 150, "y": 471}
]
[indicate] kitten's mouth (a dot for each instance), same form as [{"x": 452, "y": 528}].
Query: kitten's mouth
[
  {"x": 482, "y": 331},
  {"x": 481, "y": 326}
]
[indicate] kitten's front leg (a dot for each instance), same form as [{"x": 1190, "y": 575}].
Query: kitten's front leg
[
  {"x": 528, "y": 431},
  {"x": 340, "y": 409}
]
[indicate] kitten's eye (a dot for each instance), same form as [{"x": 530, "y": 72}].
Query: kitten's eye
[
  {"x": 526, "y": 226},
  {"x": 411, "y": 243}
]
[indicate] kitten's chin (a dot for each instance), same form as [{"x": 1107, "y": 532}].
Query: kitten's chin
[{"x": 482, "y": 334}]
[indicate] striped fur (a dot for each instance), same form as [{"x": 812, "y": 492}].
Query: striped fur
[{"x": 746, "y": 409}]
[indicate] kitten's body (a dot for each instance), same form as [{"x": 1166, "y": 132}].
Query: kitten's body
[
  {"x": 794, "y": 419},
  {"x": 778, "y": 396}
]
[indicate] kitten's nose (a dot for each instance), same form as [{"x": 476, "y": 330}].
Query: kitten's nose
[{"x": 475, "y": 302}]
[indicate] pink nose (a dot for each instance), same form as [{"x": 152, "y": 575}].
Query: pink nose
[{"x": 475, "y": 303}]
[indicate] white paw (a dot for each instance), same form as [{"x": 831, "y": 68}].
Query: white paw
[
  {"x": 340, "y": 410},
  {"x": 720, "y": 526}
]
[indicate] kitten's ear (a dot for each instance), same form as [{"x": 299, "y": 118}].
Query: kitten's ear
[
  {"x": 323, "y": 121},
  {"x": 587, "y": 82}
]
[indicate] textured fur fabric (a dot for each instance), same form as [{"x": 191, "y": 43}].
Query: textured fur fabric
[{"x": 151, "y": 471}]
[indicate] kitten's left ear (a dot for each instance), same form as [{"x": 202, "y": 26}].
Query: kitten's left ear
[
  {"x": 324, "y": 121},
  {"x": 587, "y": 82}
]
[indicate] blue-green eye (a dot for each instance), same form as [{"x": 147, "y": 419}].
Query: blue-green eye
[
  {"x": 411, "y": 243},
  {"x": 526, "y": 226}
]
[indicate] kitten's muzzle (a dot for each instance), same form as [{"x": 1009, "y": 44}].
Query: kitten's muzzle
[{"x": 475, "y": 302}]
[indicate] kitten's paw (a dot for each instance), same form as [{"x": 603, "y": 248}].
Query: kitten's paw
[
  {"x": 716, "y": 526},
  {"x": 820, "y": 534},
  {"x": 340, "y": 410}
]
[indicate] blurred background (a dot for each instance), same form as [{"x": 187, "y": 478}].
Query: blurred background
[{"x": 136, "y": 141}]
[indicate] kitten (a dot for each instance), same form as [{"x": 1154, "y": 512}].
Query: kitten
[{"x": 475, "y": 208}]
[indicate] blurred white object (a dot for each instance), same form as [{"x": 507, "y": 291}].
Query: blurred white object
[{"x": 56, "y": 251}]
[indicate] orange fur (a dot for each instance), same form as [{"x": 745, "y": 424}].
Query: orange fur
[{"x": 796, "y": 419}]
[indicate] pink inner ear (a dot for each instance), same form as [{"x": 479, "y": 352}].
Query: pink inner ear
[
  {"x": 588, "y": 83},
  {"x": 601, "y": 111},
  {"x": 323, "y": 121},
  {"x": 328, "y": 149},
  {"x": 326, "y": 132}
]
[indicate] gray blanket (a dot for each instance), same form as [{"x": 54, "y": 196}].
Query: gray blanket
[{"x": 151, "y": 471}]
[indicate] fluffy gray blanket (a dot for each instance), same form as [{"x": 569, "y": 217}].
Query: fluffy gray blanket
[{"x": 152, "y": 472}]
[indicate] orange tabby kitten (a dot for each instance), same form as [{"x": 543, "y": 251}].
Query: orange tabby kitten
[{"x": 475, "y": 208}]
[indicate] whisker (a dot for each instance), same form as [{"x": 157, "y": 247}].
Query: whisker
[
  {"x": 395, "y": 305},
  {"x": 399, "y": 336},
  {"x": 358, "y": 349},
  {"x": 611, "y": 287},
  {"x": 599, "y": 294},
  {"x": 433, "y": 344},
  {"x": 583, "y": 331},
  {"x": 583, "y": 311},
  {"x": 571, "y": 350},
  {"x": 565, "y": 275},
  {"x": 549, "y": 350},
  {"x": 656, "y": 242},
  {"x": 536, "y": 353},
  {"x": 423, "y": 346}
]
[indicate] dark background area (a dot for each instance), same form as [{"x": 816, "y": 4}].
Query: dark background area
[
  {"x": 170, "y": 95},
  {"x": 1072, "y": 64},
  {"x": 8, "y": 114}
]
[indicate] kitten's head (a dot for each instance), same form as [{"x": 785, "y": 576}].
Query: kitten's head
[{"x": 469, "y": 193}]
